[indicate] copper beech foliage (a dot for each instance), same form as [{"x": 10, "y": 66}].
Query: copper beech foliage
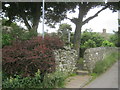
[{"x": 25, "y": 58}]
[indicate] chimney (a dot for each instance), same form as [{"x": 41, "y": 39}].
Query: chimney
[{"x": 104, "y": 31}]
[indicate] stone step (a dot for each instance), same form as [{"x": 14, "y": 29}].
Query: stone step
[{"x": 82, "y": 72}]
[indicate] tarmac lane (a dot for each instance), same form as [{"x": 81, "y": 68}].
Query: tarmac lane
[{"x": 109, "y": 79}]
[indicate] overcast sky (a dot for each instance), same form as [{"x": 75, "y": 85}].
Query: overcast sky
[{"x": 105, "y": 20}]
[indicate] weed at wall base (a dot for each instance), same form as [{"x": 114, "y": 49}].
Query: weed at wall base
[{"x": 103, "y": 65}]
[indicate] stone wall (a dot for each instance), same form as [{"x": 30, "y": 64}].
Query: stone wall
[
  {"x": 6, "y": 29},
  {"x": 93, "y": 55},
  {"x": 66, "y": 59}
]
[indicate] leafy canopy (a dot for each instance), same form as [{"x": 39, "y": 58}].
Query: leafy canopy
[
  {"x": 115, "y": 38},
  {"x": 91, "y": 39}
]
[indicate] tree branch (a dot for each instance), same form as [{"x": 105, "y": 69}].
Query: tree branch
[
  {"x": 25, "y": 21},
  {"x": 74, "y": 20},
  {"x": 22, "y": 14},
  {"x": 90, "y": 18}
]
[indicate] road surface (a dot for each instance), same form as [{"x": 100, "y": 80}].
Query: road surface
[{"x": 107, "y": 80}]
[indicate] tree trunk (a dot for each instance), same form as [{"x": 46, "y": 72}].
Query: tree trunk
[
  {"x": 36, "y": 17},
  {"x": 79, "y": 23},
  {"x": 77, "y": 34},
  {"x": 77, "y": 38}
]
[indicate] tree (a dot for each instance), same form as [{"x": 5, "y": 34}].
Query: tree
[
  {"x": 106, "y": 43},
  {"x": 83, "y": 10},
  {"x": 64, "y": 28},
  {"x": 29, "y": 13},
  {"x": 115, "y": 38},
  {"x": 64, "y": 32},
  {"x": 90, "y": 44},
  {"x": 13, "y": 33},
  {"x": 90, "y": 39},
  {"x": 55, "y": 12},
  {"x": 89, "y": 35}
]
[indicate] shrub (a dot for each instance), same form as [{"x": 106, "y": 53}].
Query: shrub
[
  {"x": 16, "y": 33},
  {"x": 89, "y": 44},
  {"x": 6, "y": 39},
  {"x": 91, "y": 38},
  {"x": 22, "y": 82},
  {"x": 52, "y": 80},
  {"x": 27, "y": 35},
  {"x": 25, "y": 58},
  {"x": 54, "y": 42},
  {"x": 63, "y": 31},
  {"x": 13, "y": 33},
  {"x": 115, "y": 38},
  {"x": 106, "y": 43}
]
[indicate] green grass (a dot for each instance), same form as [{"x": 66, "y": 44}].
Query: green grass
[
  {"x": 72, "y": 75},
  {"x": 80, "y": 61},
  {"x": 103, "y": 65}
]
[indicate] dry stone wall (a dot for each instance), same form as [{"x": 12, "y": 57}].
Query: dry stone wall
[
  {"x": 93, "y": 55},
  {"x": 66, "y": 60},
  {"x": 6, "y": 29}
]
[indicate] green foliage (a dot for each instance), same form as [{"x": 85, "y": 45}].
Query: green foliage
[
  {"x": 64, "y": 27},
  {"x": 25, "y": 58},
  {"x": 16, "y": 34},
  {"x": 0, "y": 37},
  {"x": 115, "y": 38},
  {"x": 72, "y": 74},
  {"x": 100, "y": 67},
  {"x": 119, "y": 21},
  {"x": 106, "y": 43},
  {"x": 28, "y": 35},
  {"x": 4, "y": 22},
  {"x": 89, "y": 44},
  {"x": 20, "y": 34},
  {"x": 53, "y": 80},
  {"x": 91, "y": 39},
  {"x": 20, "y": 82},
  {"x": 80, "y": 61},
  {"x": 6, "y": 39},
  {"x": 103, "y": 65},
  {"x": 93, "y": 74},
  {"x": 63, "y": 31},
  {"x": 55, "y": 12}
]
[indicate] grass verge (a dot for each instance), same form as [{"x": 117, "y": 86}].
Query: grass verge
[{"x": 103, "y": 65}]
